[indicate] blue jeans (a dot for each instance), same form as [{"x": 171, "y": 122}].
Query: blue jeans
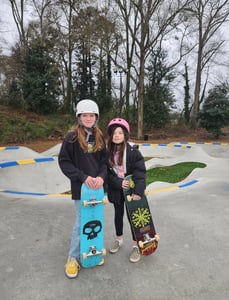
[{"x": 75, "y": 240}]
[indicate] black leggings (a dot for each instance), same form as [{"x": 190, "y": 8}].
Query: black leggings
[{"x": 118, "y": 218}]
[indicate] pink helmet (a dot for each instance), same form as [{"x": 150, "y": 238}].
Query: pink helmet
[{"x": 120, "y": 122}]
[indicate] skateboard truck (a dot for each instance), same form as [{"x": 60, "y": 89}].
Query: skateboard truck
[
  {"x": 148, "y": 239},
  {"x": 93, "y": 201},
  {"x": 93, "y": 251}
]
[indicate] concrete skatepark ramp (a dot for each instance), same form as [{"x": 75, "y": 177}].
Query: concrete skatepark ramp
[{"x": 190, "y": 263}]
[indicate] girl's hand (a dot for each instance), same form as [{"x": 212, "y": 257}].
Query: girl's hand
[
  {"x": 136, "y": 197},
  {"x": 90, "y": 182},
  {"x": 98, "y": 182},
  {"x": 94, "y": 183},
  {"x": 125, "y": 184}
]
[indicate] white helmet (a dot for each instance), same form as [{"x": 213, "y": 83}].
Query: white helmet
[{"x": 87, "y": 106}]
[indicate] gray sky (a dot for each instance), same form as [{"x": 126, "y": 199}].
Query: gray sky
[
  {"x": 8, "y": 36},
  {"x": 8, "y": 33}
]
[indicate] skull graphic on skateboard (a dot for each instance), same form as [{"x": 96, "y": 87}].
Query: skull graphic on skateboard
[
  {"x": 91, "y": 226},
  {"x": 141, "y": 220}
]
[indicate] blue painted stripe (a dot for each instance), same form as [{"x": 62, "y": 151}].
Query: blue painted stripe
[
  {"x": 44, "y": 159},
  {"x": 64, "y": 195},
  {"x": 186, "y": 143},
  {"x": 11, "y": 148},
  {"x": 188, "y": 183},
  {"x": 8, "y": 164},
  {"x": 23, "y": 193},
  {"x": 216, "y": 143},
  {"x": 163, "y": 145}
]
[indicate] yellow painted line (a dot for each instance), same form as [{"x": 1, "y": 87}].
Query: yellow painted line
[
  {"x": 25, "y": 161},
  {"x": 147, "y": 192},
  {"x": 172, "y": 188}
]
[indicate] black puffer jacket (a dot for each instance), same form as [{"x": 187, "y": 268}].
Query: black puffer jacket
[
  {"x": 77, "y": 165},
  {"x": 135, "y": 165}
]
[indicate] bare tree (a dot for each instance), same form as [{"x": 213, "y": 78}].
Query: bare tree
[
  {"x": 41, "y": 9},
  {"x": 18, "y": 12},
  {"x": 145, "y": 22},
  {"x": 209, "y": 16},
  {"x": 70, "y": 11}
]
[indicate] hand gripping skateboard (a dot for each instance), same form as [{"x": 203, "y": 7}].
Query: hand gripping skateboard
[
  {"x": 141, "y": 221},
  {"x": 91, "y": 226}
]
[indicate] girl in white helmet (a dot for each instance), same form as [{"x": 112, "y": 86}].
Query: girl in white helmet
[
  {"x": 82, "y": 158},
  {"x": 124, "y": 160}
]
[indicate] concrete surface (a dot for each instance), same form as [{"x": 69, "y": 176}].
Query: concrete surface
[{"x": 191, "y": 261}]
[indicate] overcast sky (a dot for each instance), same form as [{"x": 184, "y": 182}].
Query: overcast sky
[{"x": 9, "y": 34}]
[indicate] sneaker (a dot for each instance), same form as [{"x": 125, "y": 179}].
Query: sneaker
[
  {"x": 135, "y": 255},
  {"x": 102, "y": 261},
  {"x": 72, "y": 268},
  {"x": 115, "y": 247}
]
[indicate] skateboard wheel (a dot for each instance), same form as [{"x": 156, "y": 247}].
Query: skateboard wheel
[
  {"x": 93, "y": 251},
  {"x": 157, "y": 237},
  {"x": 129, "y": 198},
  {"x": 84, "y": 255},
  {"x": 105, "y": 200},
  {"x": 85, "y": 203},
  {"x": 140, "y": 244},
  {"x": 104, "y": 252}
]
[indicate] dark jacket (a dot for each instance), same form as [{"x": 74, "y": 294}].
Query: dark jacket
[
  {"x": 135, "y": 165},
  {"x": 77, "y": 165}
]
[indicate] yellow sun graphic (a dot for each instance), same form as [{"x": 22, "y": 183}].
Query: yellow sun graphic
[
  {"x": 131, "y": 184},
  {"x": 140, "y": 217}
]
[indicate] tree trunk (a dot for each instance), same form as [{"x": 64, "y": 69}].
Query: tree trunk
[
  {"x": 195, "y": 108},
  {"x": 141, "y": 98}
]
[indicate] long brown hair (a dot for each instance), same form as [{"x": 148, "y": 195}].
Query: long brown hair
[
  {"x": 112, "y": 147},
  {"x": 80, "y": 136}
]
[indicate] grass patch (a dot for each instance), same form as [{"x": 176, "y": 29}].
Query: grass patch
[{"x": 172, "y": 174}]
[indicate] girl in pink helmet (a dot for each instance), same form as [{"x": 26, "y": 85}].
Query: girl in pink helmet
[{"x": 123, "y": 160}]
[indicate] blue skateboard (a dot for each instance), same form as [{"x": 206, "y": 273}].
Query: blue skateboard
[{"x": 92, "y": 226}]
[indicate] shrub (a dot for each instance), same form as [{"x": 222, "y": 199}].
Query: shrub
[{"x": 214, "y": 114}]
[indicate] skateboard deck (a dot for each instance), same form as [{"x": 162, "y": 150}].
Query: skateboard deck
[
  {"x": 91, "y": 226},
  {"x": 141, "y": 221}
]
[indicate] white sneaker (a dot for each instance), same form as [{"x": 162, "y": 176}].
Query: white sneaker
[
  {"x": 135, "y": 255},
  {"x": 115, "y": 246}
]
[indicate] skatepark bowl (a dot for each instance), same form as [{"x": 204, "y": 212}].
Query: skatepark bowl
[
  {"x": 191, "y": 217},
  {"x": 39, "y": 175}
]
